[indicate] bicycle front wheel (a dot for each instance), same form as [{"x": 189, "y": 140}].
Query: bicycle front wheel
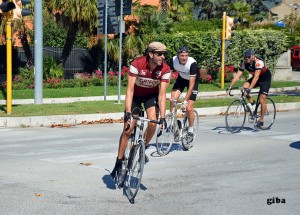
[
  {"x": 121, "y": 177},
  {"x": 235, "y": 116},
  {"x": 164, "y": 139},
  {"x": 270, "y": 115},
  {"x": 136, "y": 164},
  {"x": 186, "y": 140}
]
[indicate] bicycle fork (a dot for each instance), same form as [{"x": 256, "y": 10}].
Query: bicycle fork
[{"x": 178, "y": 131}]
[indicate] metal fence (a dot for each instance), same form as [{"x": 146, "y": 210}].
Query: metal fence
[{"x": 80, "y": 60}]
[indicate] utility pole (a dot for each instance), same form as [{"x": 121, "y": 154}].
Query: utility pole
[
  {"x": 38, "y": 52},
  {"x": 223, "y": 50},
  {"x": 120, "y": 54},
  {"x": 9, "y": 63}
]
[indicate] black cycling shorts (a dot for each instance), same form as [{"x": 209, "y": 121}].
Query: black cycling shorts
[
  {"x": 181, "y": 83},
  {"x": 147, "y": 101},
  {"x": 263, "y": 85}
]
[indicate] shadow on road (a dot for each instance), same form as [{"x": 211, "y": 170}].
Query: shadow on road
[
  {"x": 175, "y": 147},
  {"x": 110, "y": 183},
  {"x": 223, "y": 130},
  {"x": 295, "y": 145}
]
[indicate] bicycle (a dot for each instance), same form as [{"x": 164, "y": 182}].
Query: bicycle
[
  {"x": 176, "y": 131},
  {"x": 235, "y": 115},
  {"x": 134, "y": 159}
]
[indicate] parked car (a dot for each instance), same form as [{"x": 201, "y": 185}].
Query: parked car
[{"x": 295, "y": 57}]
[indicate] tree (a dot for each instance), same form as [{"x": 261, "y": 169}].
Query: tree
[
  {"x": 292, "y": 22},
  {"x": 23, "y": 34},
  {"x": 210, "y": 9},
  {"x": 164, "y": 6},
  {"x": 241, "y": 11},
  {"x": 76, "y": 16},
  {"x": 181, "y": 10}
]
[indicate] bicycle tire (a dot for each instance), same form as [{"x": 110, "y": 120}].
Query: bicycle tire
[
  {"x": 121, "y": 177},
  {"x": 186, "y": 141},
  {"x": 136, "y": 164},
  {"x": 270, "y": 115},
  {"x": 235, "y": 116},
  {"x": 165, "y": 140}
]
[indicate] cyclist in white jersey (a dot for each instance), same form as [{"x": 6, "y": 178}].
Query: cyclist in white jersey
[{"x": 188, "y": 76}]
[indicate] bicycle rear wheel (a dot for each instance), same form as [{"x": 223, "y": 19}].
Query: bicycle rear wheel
[
  {"x": 136, "y": 164},
  {"x": 164, "y": 141},
  {"x": 187, "y": 141},
  {"x": 235, "y": 116},
  {"x": 270, "y": 115}
]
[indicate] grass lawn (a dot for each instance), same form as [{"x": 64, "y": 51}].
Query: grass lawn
[
  {"x": 110, "y": 106},
  {"x": 99, "y": 91}
]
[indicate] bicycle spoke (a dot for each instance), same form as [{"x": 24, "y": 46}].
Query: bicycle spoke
[
  {"x": 165, "y": 140},
  {"x": 135, "y": 171},
  {"x": 235, "y": 116},
  {"x": 270, "y": 115},
  {"x": 186, "y": 140}
]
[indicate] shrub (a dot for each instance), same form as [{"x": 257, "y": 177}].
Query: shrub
[
  {"x": 52, "y": 68},
  {"x": 174, "y": 76},
  {"x": 205, "y": 77}
]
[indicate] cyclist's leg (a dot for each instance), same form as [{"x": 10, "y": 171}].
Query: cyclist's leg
[
  {"x": 190, "y": 114},
  {"x": 124, "y": 138},
  {"x": 135, "y": 110},
  {"x": 190, "y": 107},
  {"x": 263, "y": 93},
  {"x": 247, "y": 85},
  {"x": 152, "y": 110},
  {"x": 122, "y": 147},
  {"x": 176, "y": 91}
]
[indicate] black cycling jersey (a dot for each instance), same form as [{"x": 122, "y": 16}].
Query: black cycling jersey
[{"x": 257, "y": 64}]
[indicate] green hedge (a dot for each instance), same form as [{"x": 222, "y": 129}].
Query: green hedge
[{"x": 206, "y": 46}]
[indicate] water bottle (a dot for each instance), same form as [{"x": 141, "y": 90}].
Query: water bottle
[
  {"x": 179, "y": 124},
  {"x": 250, "y": 106}
]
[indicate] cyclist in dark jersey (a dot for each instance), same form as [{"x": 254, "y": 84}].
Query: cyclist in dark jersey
[
  {"x": 188, "y": 77},
  {"x": 261, "y": 77},
  {"x": 148, "y": 80}
]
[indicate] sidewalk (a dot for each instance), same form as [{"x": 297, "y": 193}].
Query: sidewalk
[{"x": 71, "y": 120}]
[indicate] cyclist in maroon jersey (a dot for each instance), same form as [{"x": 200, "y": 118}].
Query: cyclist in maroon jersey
[
  {"x": 147, "y": 84},
  {"x": 261, "y": 77}
]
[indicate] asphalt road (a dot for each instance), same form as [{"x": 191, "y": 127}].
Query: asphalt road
[{"x": 66, "y": 171}]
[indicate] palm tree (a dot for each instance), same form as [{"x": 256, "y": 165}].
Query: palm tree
[
  {"x": 22, "y": 33},
  {"x": 76, "y": 16},
  {"x": 181, "y": 10},
  {"x": 21, "y": 28},
  {"x": 241, "y": 11},
  {"x": 164, "y": 6}
]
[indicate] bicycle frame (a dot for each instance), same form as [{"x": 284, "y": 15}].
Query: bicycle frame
[
  {"x": 134, "y": 163},
  {"x": 177, "y": 130}
]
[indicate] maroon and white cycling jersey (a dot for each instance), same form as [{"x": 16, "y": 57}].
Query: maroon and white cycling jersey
[{"x": 147, "y": 83}]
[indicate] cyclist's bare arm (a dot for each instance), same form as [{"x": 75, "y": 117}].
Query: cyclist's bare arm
[
  {"x": 162, "y": 98},
  {"x": 129, "y": 93},
  {"x": 255, "y": 79},
  {"x": 236, "y": 78}
]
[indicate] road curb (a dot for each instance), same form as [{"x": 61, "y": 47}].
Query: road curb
[
  {"x": 80, "y": 119},
  {"x": 122, "y": 97}
]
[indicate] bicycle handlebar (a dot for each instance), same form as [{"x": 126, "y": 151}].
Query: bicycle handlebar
[
  {"x": 242, "y": 91},
  {"x": 177, "y": 101},
  {"x": 145, "y": 119}
]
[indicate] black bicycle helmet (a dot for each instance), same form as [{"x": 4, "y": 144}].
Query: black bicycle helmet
[{"x": 183, "y": 49}]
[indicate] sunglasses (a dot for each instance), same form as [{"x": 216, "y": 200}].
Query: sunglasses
[
  {"x": 160, "y": 53},
  {"x": 247, "y": 57}
]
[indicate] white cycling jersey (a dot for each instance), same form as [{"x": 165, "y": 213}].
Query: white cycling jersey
[{"x": 184, "y": 71}]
